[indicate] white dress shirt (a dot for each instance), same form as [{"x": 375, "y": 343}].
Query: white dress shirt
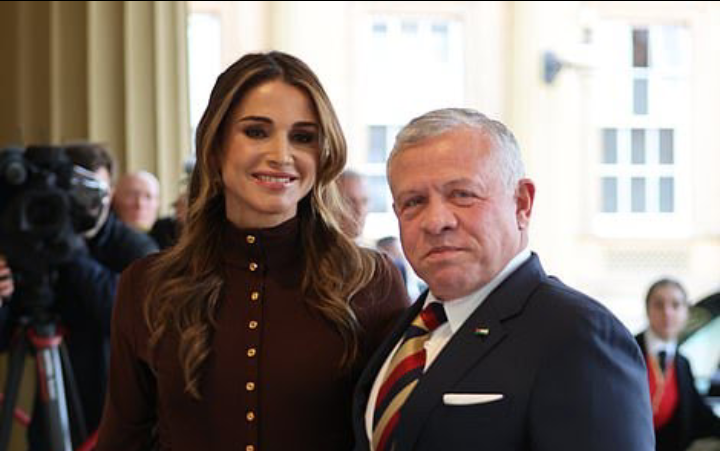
[
  {"x": 655, "y": 344},
  {"x": 457, "y": 311}
]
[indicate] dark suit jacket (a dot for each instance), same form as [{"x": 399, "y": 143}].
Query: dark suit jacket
[
  {"x": 693, "y": 419},
  {"x": 571, "y": 376}
]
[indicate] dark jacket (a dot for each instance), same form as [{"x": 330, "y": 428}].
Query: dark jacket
[
  {"x": 165, "y": 231},
  {"x": 84, "y": 292},
  {"x": 570, "y": 375},
  {"x": 693, "y": 419}
]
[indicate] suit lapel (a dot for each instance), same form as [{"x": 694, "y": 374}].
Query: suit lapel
[
  {"x": 367, "y": 378},
  {"x": 466, "y": 348}
]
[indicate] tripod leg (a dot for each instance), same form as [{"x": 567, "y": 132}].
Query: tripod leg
[
  {"x": 52, "y": 391},
  {"x": 73, "y": 394},
  {"x": 12, "y": 385}
]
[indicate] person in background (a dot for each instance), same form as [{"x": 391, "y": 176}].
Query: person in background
[
  {"x": 679, "y": 414},
  {"x": 391, "y": 246},
  {"x": 136, "y": 199},
  {"x": 84, "y": 292},
  {"x": 252, "y": 330},
  {"x": 353, "y": 190},
  {"x": 166, "y": 230},
  {"x": 496, "y": 355}
]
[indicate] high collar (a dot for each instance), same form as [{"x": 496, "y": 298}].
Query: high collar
[{"x": 273, "y": 248}]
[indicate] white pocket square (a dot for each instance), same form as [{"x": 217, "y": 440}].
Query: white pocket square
[{"x": 465, "y": 399}]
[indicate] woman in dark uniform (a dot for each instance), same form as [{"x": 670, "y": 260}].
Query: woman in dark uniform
[
  {"x": 250, "y": 333},
  {"x": 679, "y": 413}
]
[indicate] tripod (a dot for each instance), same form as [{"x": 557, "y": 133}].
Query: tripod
[{"x": 38, "y": 332}]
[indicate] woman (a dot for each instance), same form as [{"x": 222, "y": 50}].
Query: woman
[
  {"x": 679, "y": 413},
  {"x": 250, "y": 332}
]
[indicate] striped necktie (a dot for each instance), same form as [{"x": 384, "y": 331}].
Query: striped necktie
[{"x": 402, "y": 375}]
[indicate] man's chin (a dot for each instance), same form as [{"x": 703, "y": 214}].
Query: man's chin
[{"x": 449, "y": 286}]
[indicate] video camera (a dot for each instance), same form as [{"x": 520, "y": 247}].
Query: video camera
[{"x": 46, "y": 202}]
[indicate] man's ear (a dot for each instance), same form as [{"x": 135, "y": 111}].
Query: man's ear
[{"x": 524, "y": 198}]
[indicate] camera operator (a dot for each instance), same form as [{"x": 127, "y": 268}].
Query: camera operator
[{"x": 84, "y": 292}]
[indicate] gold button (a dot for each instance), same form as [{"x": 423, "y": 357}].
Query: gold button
[
  {"x": 250, "y": 416},
  {"x": 251, "y": 352},
  {"x": 253, "y": 325},
  {"x": 249, "y": 448},
  {"x": 250, "y": 386},
  {"x": 253, "y": 266},
  {"x": 255, "y": 296},
  {"x": 250, "y": 239}
]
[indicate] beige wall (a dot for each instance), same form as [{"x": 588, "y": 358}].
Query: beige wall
[{"x": 113, "y": 72}]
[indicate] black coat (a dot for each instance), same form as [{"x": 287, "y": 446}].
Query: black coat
[
  {"x": 84, "y": 292},
  {"x": 693, "y": 419}
]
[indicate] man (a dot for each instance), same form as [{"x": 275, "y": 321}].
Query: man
[
  {"x": 84, "y": 292},
  {"x": 391, "y": 246},
  {"x": 515, "y": 360},
  {"x": 354, "y": 192},
  {"x": 679, "y": 414},
  {"x": 136, "y": 200},
  {"x": 166, "y": 230}
]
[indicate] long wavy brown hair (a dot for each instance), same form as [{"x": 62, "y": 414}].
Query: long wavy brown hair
[{"x": 186, "y": 282}]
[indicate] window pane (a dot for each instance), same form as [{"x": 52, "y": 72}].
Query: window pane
[
  {"x": 667, "y": 147},
  {"x": 609, "y": 145},
  {"x": 409, "y": 27},
  {"x": 205, "y": 61},
  {"x": 638, "y": 146},
  {"x": 640, "y": 47},
  {"x": 378, "y": 139},
  {"x": 609, "y": 195},
  {"x": 379, "y": 28},
  {"x": 637, "y": 195},
  {"x": 640, "y": 96},
  {"x": 667, "y": 194},
  {"x": 670, "y": 47},
  {"x": 441, "y": 41},
  {"x": 379, "y": 194}
]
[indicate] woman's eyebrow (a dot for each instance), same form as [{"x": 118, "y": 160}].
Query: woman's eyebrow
[
  {"x": 254, "y": 119},
  {"x": 306, "y": 124}
]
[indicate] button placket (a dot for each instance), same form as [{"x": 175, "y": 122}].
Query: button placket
[{"x": 252, "y": 346}]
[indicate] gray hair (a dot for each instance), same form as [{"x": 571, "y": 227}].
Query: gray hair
[{"x": 437, "y": 122}]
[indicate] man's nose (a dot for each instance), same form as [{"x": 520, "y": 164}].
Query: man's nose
[{"x": 438, "y": 217}]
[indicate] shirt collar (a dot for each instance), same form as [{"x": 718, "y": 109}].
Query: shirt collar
[
  {"x": 459, "y": 310},
  {"x": 655, "y": 344}
]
